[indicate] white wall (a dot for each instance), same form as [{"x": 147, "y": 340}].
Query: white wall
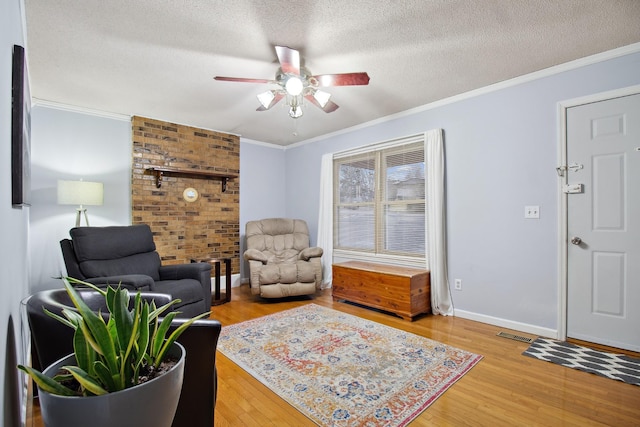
[
  {"x": 68, "y": 145},
  {"x": 501, "y": 152},
  {"x": 14, "y": 226}
]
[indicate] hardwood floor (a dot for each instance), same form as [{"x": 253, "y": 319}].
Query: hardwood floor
[{"x": 504, "y": 389}]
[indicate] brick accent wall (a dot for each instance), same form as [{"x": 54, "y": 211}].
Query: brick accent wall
[{"x": 208, "y": 227}]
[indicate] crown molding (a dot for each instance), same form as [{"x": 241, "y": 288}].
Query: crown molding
[
  {"x": 37, "y": 102},
  {"x": 263, "y": 144},
  {"x": 551, "y": 71}
]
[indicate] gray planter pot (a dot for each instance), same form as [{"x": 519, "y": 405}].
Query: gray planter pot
[{"x": 150, "y": 404}]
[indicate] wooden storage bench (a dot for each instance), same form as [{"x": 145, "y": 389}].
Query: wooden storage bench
[{"x": 400, "y": 290}]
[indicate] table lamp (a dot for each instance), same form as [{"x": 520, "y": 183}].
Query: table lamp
[{"x": 81, "y": 193}]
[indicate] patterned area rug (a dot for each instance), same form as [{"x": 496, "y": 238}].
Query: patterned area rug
[
  {"x": 615, "y": 366},
  {"x": 341, "y": 370}
]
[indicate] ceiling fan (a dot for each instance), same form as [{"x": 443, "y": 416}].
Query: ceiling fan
[{"x": 296, "y": 83}]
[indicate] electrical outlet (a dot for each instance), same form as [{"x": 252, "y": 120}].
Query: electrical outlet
[
  {"x": 457, "y": 284},
  {"x": 532, "y": 212}
]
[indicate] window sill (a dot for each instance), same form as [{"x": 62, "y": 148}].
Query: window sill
[{"x": 340, "y": 255}]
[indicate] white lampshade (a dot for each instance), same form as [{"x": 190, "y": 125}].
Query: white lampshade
[
  {"x": 80, "y": 193},
  {"x": 266, "y": 98},
  {"x": 322, "y": 97}
]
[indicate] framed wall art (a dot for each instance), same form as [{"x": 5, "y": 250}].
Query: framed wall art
[{"x": 20, "y": 131}]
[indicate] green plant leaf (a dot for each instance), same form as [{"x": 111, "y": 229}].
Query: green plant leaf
[
  {"x": 66, "y": 321},
  {"x": 88, "y": 336},
  {"x": 174, "y": 336},
  {"x": 128, "y": 368},
  {"x": 97, "y": 327},
  {"x": 75, "y": 281},
  {"x": 123, "y": 318},
  {"x": 159, "y": 337},
  {"x": 156, "y": 312},
  {"x": 142, "y": 343},
  {"x": 111, "y": 383},
  {"x": 85, "y": 354},
  {"x": 46, "y": 383},
  {"x": 85, "y": 380}
]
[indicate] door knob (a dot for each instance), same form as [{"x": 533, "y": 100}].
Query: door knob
[{"x": 576, "y": 240}]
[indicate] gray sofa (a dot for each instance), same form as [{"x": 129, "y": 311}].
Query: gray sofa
[{"x": 127, "y": 255}]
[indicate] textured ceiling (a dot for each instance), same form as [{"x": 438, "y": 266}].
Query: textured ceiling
[{"x": 157, "y": 58}]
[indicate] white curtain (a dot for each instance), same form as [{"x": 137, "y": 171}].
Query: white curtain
[
  {"x": 325, "y": 217},
  {"x": 436, "y": 224}
]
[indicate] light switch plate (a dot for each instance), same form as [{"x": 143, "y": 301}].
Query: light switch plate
[{"x": 532, "y": 212}]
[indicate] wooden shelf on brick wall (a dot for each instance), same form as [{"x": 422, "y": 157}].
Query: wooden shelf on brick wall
[{"x": 159, "y": 172}]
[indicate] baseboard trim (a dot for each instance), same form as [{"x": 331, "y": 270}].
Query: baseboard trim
[
  {"x": 235, "y": 281},
  {"x": 505, "y": 323}
]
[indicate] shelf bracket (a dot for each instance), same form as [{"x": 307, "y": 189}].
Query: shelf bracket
[
  {"x": 158, "y": 178},
  {"x": 224, "y": 184}
]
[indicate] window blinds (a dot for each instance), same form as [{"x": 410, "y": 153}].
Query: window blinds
[{"x": 379, "y": 198}]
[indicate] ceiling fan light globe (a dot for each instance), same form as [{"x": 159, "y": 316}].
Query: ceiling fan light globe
[{"x": 294, "y": 86}]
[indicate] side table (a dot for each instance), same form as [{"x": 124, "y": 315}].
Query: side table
[{"x": 216, "y": 299}]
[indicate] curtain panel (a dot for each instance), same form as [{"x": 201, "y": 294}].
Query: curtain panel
[
  {"x": 325, "y": 218},
  {"x": 436, "y": 224}
]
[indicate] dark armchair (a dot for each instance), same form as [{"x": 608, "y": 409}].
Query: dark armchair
[
  {"x": 52, "y": 340},
  {"x": 127, "y": 255}
]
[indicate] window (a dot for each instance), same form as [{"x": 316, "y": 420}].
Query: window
[{"x": 379, "y": 199}]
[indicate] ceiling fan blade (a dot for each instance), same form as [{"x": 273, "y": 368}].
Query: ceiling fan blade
[
  {"x": 289, "y": 60},
  {"x": 346, "y": 79},
  {"x": 242, "y": 80},
  {"x": 329, "y": 107},
  {"x": 274, "y": 101}
]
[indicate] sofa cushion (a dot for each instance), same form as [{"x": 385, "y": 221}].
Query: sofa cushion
[
  {"x": 306, "y": 272},
  {"x": 94, "y": 243},
  {"x": 287, "y": 273},
  {"x": 146, "y": 264},
  {"x": 277, "y": 235},
  {"x": 116, "y": 250}
]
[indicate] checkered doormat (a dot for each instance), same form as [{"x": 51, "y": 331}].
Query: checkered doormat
[{"x": 615, "y": 366}]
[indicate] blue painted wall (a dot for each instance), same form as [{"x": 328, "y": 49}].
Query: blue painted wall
[{"x": 501, "y": 154}]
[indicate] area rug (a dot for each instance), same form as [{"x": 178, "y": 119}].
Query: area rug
[
  {"x": 341, "y": 370},
  {"x": 615, "y": 366}
]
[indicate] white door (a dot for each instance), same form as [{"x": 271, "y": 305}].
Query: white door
[{"x": 603, "y": 222}]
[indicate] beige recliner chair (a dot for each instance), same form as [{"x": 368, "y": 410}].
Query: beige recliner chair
[{"x": 281, "y": 263}]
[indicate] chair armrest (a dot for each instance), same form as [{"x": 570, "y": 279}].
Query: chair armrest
[
  {"x": 308, "y": 253},
  {"x": 136, "y": 282},
  {"x": 185, "y": 271},
  {"x": 255, "y": 255},
  {"x": 200, "y": 271}
]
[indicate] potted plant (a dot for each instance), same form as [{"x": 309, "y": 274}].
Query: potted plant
[{"x": 127, "y": 360}]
